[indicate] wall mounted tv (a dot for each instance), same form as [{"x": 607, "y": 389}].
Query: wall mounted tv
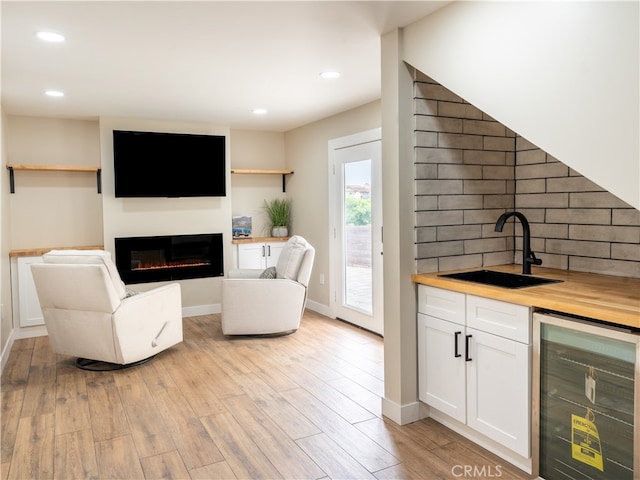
[{"x": 152, "y": 164}]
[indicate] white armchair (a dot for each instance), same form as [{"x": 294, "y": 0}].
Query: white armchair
[
  {"x": 269, "y": 306},
  {"x": 90, "y": 314}
]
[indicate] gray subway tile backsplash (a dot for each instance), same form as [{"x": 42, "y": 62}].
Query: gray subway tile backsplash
[{"x": 466, "y": 178}]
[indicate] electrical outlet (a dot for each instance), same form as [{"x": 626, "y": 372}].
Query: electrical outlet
[{"x": 322, "y": 279}]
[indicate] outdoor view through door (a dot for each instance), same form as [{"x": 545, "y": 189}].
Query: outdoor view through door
[
  {"x": 357, "y": 235},
  {"x": 356, "y": 243}
]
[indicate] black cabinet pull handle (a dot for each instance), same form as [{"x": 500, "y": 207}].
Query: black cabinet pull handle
[
  {"x": 456, "y": 353},
  {"x": 467, "y": 358}
]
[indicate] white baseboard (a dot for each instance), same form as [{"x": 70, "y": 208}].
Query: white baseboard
[
  {"x": 5, "y": 352},
  {"x": 29, "y": 332},
  {"x": 17, "y": 334},
  {"x": 401, "y": 414},
  {"x": 201, "y": 310},
  {"x": 320, "y": 308}
]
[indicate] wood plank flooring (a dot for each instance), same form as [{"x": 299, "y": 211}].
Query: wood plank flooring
[{"x": 303, "y": 406}]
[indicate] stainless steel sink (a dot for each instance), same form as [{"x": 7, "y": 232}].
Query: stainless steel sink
[{"x": 500, "y": 279}]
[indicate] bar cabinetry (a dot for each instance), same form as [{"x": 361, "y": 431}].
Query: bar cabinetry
[{"x": 474, "y": 363}]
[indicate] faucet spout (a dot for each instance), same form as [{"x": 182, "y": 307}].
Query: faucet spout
[{"x": 528, "y": 257}]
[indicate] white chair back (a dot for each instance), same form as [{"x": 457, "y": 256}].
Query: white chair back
[
  {"x": 84, "y": 257},
  {"x": 292, "y": 258}
]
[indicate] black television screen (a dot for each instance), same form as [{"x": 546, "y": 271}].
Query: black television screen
[{"x": 151, "y": 164}]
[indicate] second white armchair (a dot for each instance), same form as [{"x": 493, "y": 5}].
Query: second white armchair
[{"x": 273, "y": 304}]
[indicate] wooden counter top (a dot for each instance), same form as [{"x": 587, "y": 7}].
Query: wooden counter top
[
  {"x": 36, "y": 252},
  {"x": 611, "y": 299},
  {"x": 259, "y": 239}
]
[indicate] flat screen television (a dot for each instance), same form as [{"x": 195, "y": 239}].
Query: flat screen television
[{"x": 153, "y": 164}]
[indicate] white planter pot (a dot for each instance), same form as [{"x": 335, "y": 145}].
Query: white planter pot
[{"x": 279, "y": 231}]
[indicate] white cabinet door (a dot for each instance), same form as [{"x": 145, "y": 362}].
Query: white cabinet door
[
  {"x": 441, "y": 365},
  {"x": 259, "y": 254},
  {"x": 30, "y": 312},
  {"x": 498, "y": 389},
  {"x": 273, "y": 250},
  {"x": 251, "y": 255},
  {"x": 479, "y": 376}
]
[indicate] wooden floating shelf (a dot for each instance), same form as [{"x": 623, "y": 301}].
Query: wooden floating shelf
[
  {"x": 265, "y": 172},
  {"x": 53, "y": 168},
  {"x": 284, "y": 173},
  {"x": 56, "y": 168}
]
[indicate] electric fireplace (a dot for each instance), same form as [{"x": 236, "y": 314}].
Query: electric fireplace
[{"x": 170, "y": 257}]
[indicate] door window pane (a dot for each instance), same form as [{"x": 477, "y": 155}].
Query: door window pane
[{"x": 357, "y": 228}]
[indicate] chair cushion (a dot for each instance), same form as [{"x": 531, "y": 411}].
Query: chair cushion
[
  {"x": 89, "y": 257},
  {"x": 269, "y": 273},
  {"x": 291, "y": 258}
]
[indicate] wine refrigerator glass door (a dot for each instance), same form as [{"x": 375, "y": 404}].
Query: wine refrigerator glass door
[{"x": 588, "y": 400}]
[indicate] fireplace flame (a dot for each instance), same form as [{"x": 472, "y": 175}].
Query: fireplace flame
[{"x": 139, "y": 265}]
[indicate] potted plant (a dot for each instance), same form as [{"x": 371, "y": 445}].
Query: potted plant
[{"x": 279, "y": 212}]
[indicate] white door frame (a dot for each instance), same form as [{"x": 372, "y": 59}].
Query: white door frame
[{"x": 375, "y": 322}]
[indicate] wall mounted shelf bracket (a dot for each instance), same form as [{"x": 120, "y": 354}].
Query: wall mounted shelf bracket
[
  {"x": 284, "y": 174},
  {"x": 45, "y": 168}
]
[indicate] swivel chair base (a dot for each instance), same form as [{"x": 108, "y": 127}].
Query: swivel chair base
[{"x": 100, "y": 366}]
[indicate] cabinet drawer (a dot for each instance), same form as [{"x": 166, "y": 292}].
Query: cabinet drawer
[
  {"x": 441, "y": 303},
  {"x": 500, "y": 318}
]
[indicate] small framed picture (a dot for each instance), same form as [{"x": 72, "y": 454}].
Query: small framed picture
[{"x": 241, "y": 225}]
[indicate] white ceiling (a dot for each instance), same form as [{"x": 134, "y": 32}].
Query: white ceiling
[{"x": 202, "y": 61}]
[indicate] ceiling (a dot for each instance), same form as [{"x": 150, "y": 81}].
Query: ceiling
[{"x": 202, "y": 61}]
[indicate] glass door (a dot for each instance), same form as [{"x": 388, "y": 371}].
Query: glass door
[
  {"x": 356, "y": 233},
  {"x": 588, "y": 401}
]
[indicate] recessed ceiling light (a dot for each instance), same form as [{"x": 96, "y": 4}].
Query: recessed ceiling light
[
  {"x": 54, "y": 93},
  {"x": 330, "y": 75},
  {"x": 50, "y": 36},
  {"x": 259, "y": 111}
]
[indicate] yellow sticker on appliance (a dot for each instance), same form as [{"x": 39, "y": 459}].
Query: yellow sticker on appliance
[{"x": 585, "y": 442}]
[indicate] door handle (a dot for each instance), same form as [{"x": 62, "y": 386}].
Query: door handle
[
  {"x": 263, "y": 251},
  {"x": 467, "y": 358},
  {"x": 268, "y": 250},
  {"x": 456, "y": 353}
]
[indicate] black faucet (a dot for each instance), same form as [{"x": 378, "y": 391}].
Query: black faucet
[{"x": 528, "y": 257}]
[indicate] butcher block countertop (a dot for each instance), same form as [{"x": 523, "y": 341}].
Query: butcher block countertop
[
  {"x": 36, "y": 252},
  {"x": 259, "y": 239},
  {"x": 615, "y": 300}
]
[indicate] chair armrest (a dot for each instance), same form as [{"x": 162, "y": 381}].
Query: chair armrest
[
  {"x": 149, "y": 321},
  {"x": 245, "y": 273}
]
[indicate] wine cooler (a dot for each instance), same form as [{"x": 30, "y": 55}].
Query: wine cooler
[{"x": 589, "y": 384}]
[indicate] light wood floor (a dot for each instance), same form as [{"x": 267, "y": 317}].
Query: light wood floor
[{"x": 303, "y": 406}]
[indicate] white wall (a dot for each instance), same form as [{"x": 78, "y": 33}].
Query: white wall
[
  {"x": 126, "y": 217},
  {"x": 256, "y": 150},
  {"x": 519, "y": 61},
  {"x": 6, "y": 314},
  {"x": 307, "y": 153},
  {"x": 54, "y": 209},
  {"x": 398, "y": 186},
  {"x": 48, "y": 209}
]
